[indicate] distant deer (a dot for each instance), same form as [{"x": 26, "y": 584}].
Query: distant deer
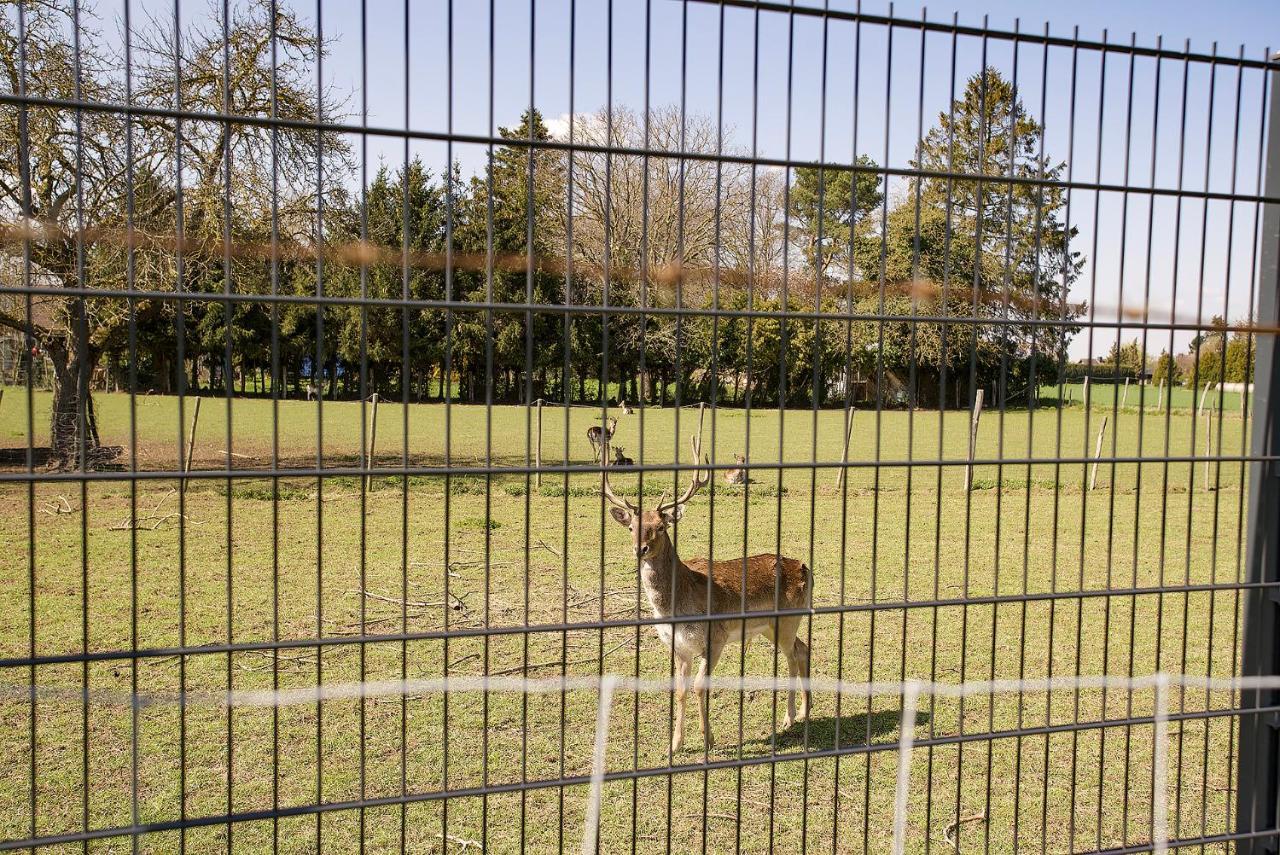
[
  {"x": 627, "y": 409},
  {"x": 675, "y": 588},
  {"x": 737, "y": 475},
  {"x": 600, "y": 436},
  {"x": 620, "y": 459}
]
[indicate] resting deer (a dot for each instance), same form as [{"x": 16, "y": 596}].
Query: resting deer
[
  {"x": 600, "y": 436},
  {"x": 737, "y": 475},
  {"x": 627, "y": 409},
  {"x": 674, "y": 587},
  {"x": 620, "y": 459}
]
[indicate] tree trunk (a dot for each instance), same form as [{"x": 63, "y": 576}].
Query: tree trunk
[{"x": 72, "y": 422}]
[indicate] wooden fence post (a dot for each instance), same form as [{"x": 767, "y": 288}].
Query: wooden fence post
[
  {"x": 844, "y": 457},
  {"x": 373, "y": 436},
  {"x": 1125, "y": 398},
  {"x": 537, "y": 449},
  {"x": 191, "y": 442},
  {"x": 1208, "y": 448},
  {"x": 1085, "y": 393},
  {"x": 973, "y": 439},
  {"x": 1097, "y": 452}
]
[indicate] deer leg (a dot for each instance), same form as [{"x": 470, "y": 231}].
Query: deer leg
[
  {"x": 681, "y": 677},
  {"x": 800, "y": 654},
  {"x": 786, "y": 643},
  {"x": 702, "y": 689}
]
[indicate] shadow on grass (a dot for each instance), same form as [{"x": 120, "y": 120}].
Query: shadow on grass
[{"x": 855, "y": 729}]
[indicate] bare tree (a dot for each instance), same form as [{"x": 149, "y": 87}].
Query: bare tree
[{"x": 97, "y": 199}]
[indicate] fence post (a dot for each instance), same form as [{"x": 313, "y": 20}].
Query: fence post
[
  {"x": 973, "y": 438},
  {"x": 191, "y": 443},
  {"x": 844, "y": 456},
  {"x": 1259, "y": 781},
  {"x": 373, "y": 437},
  {"x": 537, "y": 452},
  {"x": 1097, "y": 452}
]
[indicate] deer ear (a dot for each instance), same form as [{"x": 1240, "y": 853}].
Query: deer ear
[
  {"x": 674, "y": 515},
  {"x": 622, "y": 516}
]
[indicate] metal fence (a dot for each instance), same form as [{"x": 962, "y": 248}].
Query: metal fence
[{"x": 366, "y": 327}]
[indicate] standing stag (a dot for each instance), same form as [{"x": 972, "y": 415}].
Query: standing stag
[
  {"x": 678, "y": 588},
  {"x": 599, "y": 436}
]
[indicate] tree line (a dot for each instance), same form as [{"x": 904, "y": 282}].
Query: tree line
[{"x": 723, "y": 279}]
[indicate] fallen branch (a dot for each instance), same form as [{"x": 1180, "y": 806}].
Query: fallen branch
[
  {"x": 458, "y": 603},
  {"x": 153, "y": 516},
  {"x": 461, "y": 841},
  {"x": 710, "y": 815},
  {"x": 542, "y": 544},
  {"x": 53, "y": 509},
  {"x": 954, "y": 826},
  {"x": 533, "y": 666}
]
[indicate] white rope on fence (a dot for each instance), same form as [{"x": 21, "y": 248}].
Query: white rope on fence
[
  {"x": 1160, "y": 769},
  {"x": 608, "y": 685},
  {"x": 643, "y": 685},
  {"x": 591, "y": 834},
  {"x": 906, "y": 741}
]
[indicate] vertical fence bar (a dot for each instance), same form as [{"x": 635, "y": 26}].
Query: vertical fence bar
[{"x": 1259, "y": 774}]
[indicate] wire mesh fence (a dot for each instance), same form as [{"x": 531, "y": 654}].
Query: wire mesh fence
[{"x": 375, "y": 374}]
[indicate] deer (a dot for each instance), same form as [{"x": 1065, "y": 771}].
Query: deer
[
  {"x": 678, "y": 588},
  {"x": 599, "y": 436},
  {"x": 627, "y": 409},
  {"x": 737, "y": 475},
  {"x": 620, "y": 459}
]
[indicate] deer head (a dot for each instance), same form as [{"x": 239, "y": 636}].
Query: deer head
[{"x": 649, "y": 528}]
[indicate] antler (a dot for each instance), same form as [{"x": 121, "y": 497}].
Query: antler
[
  {"x": 614, "y": 498},
  {"x": 700, "y": 479}
]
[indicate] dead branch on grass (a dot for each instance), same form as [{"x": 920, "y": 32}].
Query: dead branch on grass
[
  {"x": 56, "y": 508},
  {"x": 152, "y": 519},
  {"x": 534, "y": 666},
  {"x": 948, "y": 833}
]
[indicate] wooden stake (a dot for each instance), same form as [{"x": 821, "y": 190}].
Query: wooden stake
[
  {"x": 1160, "y": 394},
  {"x": 1125, "y": 398},
  {"x": 1086, "y": 392},
  {"x": 1097, "y": 452},
  {"x": 373, "y": 436},
  {"x": 973, "y": 438},
  {"x": 191, "y": 442},
  {"x": 1208, "y": 448},
  {"x": 537, "y": 449},
  {"x": 844, "y": 457}
]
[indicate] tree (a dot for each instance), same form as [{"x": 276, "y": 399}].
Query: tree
[
  {"x": 1242, "y": 351},
  {"x": 830, "y": 217},
  {"x": 1125, "y": 359},
  {"x": 1207, "y": 350},
  {"x": 985, "y": 248},
  {"x": 97, "y": 196},
  {"x": 1166, "y": 370},
  {"x": 510, "y": 220}
]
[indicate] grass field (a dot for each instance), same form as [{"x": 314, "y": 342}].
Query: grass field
[
  {"x": 1108, "y": 395},
  {"x": 900, "y": 545}
]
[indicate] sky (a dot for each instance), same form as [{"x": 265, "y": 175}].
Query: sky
[{"x": 851, "y": 89}]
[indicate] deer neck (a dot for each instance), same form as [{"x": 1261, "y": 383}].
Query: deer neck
[{"x": 662, "y": 573}]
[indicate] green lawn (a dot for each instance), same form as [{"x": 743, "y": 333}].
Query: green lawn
[
  {"x": 246, "y": 568},
  {"x": 1108, "y": 395}
]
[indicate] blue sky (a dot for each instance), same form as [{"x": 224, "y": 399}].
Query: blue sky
[{"x": 1134, "y": 243}]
